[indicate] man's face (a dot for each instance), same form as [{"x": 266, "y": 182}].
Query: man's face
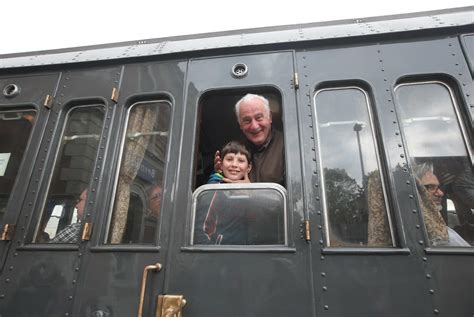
[
  {"x": 81, "y": 204},
  {"x": 255, "y": 121},
  {"x": 431, "y": 183},
  {"x": 155, "y": 201}
]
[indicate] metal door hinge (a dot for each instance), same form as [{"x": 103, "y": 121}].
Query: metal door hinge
[
  {"x": 307, "y": 231},
  {"x": 7, "y": 232},
  {"x": 296, "y": 81},
  {"x": 86, "y": 233},
  {"x": 170, "y": 306},
  {"x": 48, "y": 101},
  {"x": 115, "y": 95}
]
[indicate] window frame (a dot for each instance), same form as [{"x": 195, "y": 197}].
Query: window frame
[
  {"x": 238, "y": 186},
  {"x": 59, "y": 147},
  {"x": 466, "y": 139},
  {"x": 103, "y": 243},
  {"x": 378, "y": 152}
]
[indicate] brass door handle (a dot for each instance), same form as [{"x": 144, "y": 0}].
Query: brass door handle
[
  {"x": 155, "y": 267},
  {"x": 170, "y": 306}
]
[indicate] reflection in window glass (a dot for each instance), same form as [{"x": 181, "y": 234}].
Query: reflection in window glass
[
  {"x": 67, "y": 194},
  {"x": 15, "y": 129},
  {"x": 441, "y": 162},
  {"x": 354, "y": 196},
  {"x": 224, "y": 215},
  {"x": 139, "y": 191}
]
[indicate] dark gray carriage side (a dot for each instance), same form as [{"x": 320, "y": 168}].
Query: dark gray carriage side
[{"x": 97, "y": 278}]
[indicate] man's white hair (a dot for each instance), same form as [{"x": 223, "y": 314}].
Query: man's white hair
[
  {"x": 421, "y": 169},
  {"x": 249, "y": 97}
]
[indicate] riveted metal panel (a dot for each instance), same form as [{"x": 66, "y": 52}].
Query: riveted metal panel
[
  {"x": 111, "y": 280},
  {"x": 241, "y": 280},
  {"x": 49, "y": 273},
  {"x": 355, "y": 281},
  {"x": 359, "y": 277},
  {"x": 33, "y": 89}
]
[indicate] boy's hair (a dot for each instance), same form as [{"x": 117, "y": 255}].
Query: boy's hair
[{"x": 236, "y": 147}]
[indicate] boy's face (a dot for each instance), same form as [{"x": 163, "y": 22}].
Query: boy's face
[{"x": 235, "y": 166}]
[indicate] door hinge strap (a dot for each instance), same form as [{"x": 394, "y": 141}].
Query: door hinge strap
[
  {"x": 296, "y": 81},
  {"x": 86, "y": 233},
  {"x": 48, "y": 101},
  {"x": 307, "y": 231},
  {"x": 115, "y": 95},
  {"x": 7, "y": 232}
]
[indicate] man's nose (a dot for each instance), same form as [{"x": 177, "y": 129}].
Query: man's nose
[
  {"x": 439, "y": 192},
  {"x": 254, "y": 124}
]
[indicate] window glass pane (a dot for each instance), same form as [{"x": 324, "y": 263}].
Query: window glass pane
[
  {"x": 67, "y": 194},
  {"x": 15, "y": 129},
  {"x": 138, "y": 198},
  {"x": 236, "y": 216},
  {"x": 354, "y": 196},
  {"x": 440, "y": 162}
]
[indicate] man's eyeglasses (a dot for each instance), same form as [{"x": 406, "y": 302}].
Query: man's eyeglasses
[{"x": 433, "y": 188}]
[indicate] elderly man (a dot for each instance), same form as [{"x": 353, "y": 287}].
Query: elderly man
[
  {"x": 432, "y": 196},
  {"x": 255, "y": 120}
]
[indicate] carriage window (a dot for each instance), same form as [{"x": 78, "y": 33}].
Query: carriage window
[
  {"x": 441, "y": 160},
  {"x": 231, "y": 214},
  {"x": 67, "y": 194},
  {"x": 15, "y": 129},
  {"x": 355, "y": 202},
  {"x": 217, "y": 125},
  {"x": 139, "y": 189}
]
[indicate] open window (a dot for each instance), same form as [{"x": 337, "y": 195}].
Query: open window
[
  {"x": 441, "y": 159},
  {"x": 236, "y": 213}
]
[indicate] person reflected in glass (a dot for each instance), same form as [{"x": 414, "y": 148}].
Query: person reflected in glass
[
  {"x": 226, "y": 224},
  {"x": 154, "y": 201},
  {"x": 71, "y": 232},
  {"x": 431, "y": 195}
]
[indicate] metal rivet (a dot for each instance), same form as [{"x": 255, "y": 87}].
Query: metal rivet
[
  {"x": 325, "y": 288},
  {"x": 425, "y": 258},
  {"x": 323, "y": 274},
  {"x": 326, "y": 307},
  {"x": 420, "y": 242},
  {"x": 431, "y": 291},
  {"x": 428, "y": 276},
  {"x": 436, "y": 311}
]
